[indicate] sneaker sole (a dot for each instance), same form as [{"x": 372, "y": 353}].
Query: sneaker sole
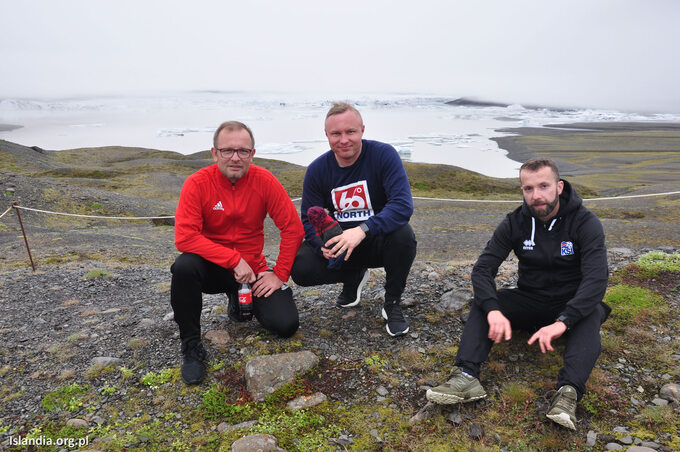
[
  {"x": 361, "y": 286},
  {"x": 396, "y": 334},
  {"x": 449, "y": 399},
  {"x": 387, "y": 327},
  {"x": 563, "y": 419}
]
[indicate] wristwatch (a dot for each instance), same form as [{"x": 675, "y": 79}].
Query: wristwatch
[
  {"x": 564, "y": 319},
  {"x": 364, "y": 227}
]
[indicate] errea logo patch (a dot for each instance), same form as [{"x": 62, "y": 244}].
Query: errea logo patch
[{"x": 566, "y": 249}]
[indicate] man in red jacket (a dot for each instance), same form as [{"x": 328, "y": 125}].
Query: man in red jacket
[{"x": 219, "y": 228}]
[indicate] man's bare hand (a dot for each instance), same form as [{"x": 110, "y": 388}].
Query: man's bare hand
[
  {"x": 327, "y": 254},
  {"x": 267, "y": 283},
  {"x": 243, "y": 273},
  {"x": 347, "y": 241},
  {"x": 499, "y": 326},
  {"x": 546, "y": 334}
]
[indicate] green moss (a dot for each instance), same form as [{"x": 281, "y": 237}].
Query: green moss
[
  {"x": 214, "y": 405},
  {"x": 631, "y": 304},
  {"x": 655, "y": 262},
  {"x": 298, "y": 431},
  {"x": 154, "y": 380},
  {"x": 68, "y": 398},
  {"x": 98, "y": 273}
]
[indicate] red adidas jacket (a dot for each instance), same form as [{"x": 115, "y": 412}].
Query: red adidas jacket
[{"x": 224, "y": 222}]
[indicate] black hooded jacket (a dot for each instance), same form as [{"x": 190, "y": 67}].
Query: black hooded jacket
[{"x": 563, "y": 261}]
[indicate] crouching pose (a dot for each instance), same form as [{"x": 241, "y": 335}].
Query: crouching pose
[
  {"x": 364, "y": 185},
  {"x": 219, "y": 228},
  {"x": 562, "y": 279}
]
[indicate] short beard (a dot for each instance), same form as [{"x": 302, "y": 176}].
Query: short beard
[{"x": 547, "y": 210}]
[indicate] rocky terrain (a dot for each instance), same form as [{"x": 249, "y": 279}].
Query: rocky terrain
[{"x": 90, "y": 351}]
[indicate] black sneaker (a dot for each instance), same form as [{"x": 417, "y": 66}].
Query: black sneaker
[
  {"x": 351, "y": 293},
  {"x": 396, "y": 322},
  {"x": 193, "y": 367}
]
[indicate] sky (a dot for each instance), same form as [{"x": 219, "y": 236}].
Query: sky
[{"x": 618, "y": 54}]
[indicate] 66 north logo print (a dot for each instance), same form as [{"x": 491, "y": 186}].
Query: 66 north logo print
[{"x": 352, "y": 202}]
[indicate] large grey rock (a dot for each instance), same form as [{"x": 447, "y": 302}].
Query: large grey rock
[
  {"x": 670, "y": 392},
  {"x": 454, "y": 300},
  {"x": 264, "y": 374},
  {"x": 640, "y": 449},
  {"x": 256, "y": 443},
  {"x": 77, "y": 422}
]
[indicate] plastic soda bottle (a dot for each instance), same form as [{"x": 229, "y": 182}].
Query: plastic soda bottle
[{"x": 245, "y": 302}]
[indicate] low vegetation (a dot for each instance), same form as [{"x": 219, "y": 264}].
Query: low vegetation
[{"x": 512, "y": 417}]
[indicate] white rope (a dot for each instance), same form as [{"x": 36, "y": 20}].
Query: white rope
[
  {"x": 93, "y": 216},
  {"x": 298, "y": 199},
  {"x": 634, "y": 196},
  {"x": 519, "y": 201},
  {"x": 5, "y": 212}
]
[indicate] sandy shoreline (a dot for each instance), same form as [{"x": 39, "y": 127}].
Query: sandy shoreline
[{"x": 612, "y": 158}]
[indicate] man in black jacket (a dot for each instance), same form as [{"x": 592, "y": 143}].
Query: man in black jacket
[{"x": 562, "y": 279}]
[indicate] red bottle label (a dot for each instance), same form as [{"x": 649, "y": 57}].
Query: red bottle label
[{"x": 245, "y": 297}]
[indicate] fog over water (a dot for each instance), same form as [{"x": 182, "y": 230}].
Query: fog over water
[
  {"x": 288, "y": 126},
  {"x": 612, "y": 54},
  {"x": 163, "y": 74}
]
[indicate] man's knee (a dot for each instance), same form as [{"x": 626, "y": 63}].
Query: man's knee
[
  {"x": 287, "y": 327},
  {"x": 404, "y": 237},
  {"x": 304, "y": 266},
  {"x": 186, "y": 264}
]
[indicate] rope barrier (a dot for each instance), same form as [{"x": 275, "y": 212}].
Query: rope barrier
[
  {"x": 92, "y": 216},
  {"x": 5, "y": 212},
  {"x": 634, "y": 196},
  {"x": 298, "y": 199},
  {"x": 517, "y": 201},
  {"x": 17, "y": 207}
]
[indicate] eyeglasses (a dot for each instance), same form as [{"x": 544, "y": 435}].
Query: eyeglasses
[{"x": 228, "y": 153}]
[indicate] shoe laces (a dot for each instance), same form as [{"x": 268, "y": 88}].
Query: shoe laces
[{"x": 561, "y": 400}]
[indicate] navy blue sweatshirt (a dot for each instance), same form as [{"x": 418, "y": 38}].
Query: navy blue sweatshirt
[
  {"x": 373, "y": 190},
  {"x": 563, "y": 261}
]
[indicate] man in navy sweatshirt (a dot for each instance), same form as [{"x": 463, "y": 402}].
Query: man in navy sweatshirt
[
  {"x": 363, "y": 185},
  {"x": 563, "y": 276}
]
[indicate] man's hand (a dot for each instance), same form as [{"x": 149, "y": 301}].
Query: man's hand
[
  {"x": 499, "y": 326},
  {"x": 547, "y": 334},
  {"x": 267, "y": 283},
  {"x": 243, "y": 273},
  {"x": 326, "y": 252},
  {"x": 347, "y": 241}
]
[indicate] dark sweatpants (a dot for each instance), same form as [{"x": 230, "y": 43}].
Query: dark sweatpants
[
  {"x": 526, "y": 312},
  {"x": 193, "y": 275},
  {"x": 394, "y": 251}
]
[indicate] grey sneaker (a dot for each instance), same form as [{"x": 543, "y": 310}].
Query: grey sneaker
[
  {"x": 351, "y": 295},
  {"x": 563, "y": 407},
  {"x": 458, "y": 389}
]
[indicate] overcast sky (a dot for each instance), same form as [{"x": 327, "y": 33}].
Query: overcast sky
[{"x": 598, "y": 53}]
